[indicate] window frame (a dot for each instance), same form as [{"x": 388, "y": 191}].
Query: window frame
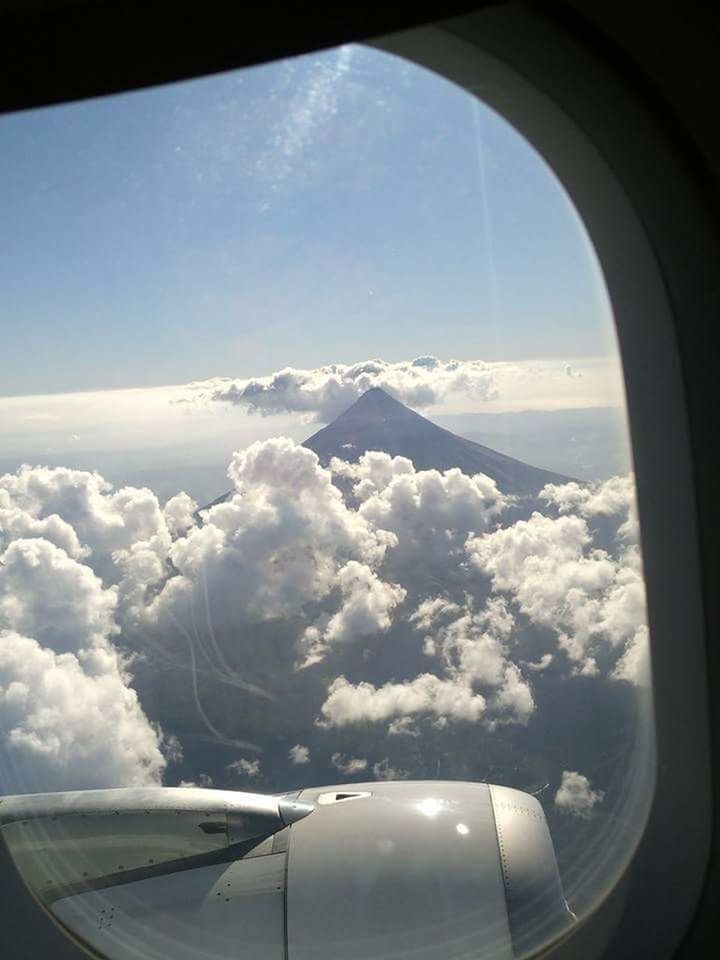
[
  {"x": 617, "y": 157},
  {"x": 598, "y": 135}
]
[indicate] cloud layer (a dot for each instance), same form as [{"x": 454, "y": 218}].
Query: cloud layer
[
  {"x": 324, "y": 392},
  {"x": 419, "y": 570}
]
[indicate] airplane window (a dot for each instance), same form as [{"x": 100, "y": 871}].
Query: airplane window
[{"x": 316, "y": 511}]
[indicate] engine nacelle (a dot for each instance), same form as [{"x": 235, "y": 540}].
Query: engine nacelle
[{"x": 400, "y": 869}]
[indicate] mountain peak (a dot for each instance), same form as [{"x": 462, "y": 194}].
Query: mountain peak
[
  {"x": 374, "y": 392},
  {"x": 377, "y": 421},
  {"x": 375, "y": 402}
]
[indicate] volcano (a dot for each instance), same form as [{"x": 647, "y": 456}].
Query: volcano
[{"x": 376, "y": 421}]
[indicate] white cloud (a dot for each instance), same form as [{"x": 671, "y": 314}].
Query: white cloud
[
  {"x": 373, "y": 472},
  {"x": 402, "y": 727},
  {"x": 348, "y": 703},
  {"x": 69, "y": 718},
  {"x": 550, "y": 568},
  {"x": 382, "y": 770},
  {"x": 16, "y": 524},
  {"x": 367, "y": 606},
  {"x": 122, "y": 535},
  {"x": 47, "y": 595},
  {"x": 78, "y": 560},
  {"x": 614, "y": 497},
  {"x": 473, "y": 646},
  {"x": 203, "y": 780},
  {"x": 542, "y": 664},
  {"x": 634, "y": 664},
  {"x": 66, "y": 724},
  {"x": 276, "y": 546},
  {"x": 299, "y": 754},
  {"x": 348, "y": 766},
  {"x": 321, "y": 393},
  {"x": 575, "y": 795},
  {"x": 324, "y": 392},
  {"x": 179, "y": 514},
  {"x": 475, "y": 656},
  {"x": 430, "y": 512},
  {"x": 245, "y": 768},
  {"x": 104, "y": 521},
  {"x": 433, "y": 611}
]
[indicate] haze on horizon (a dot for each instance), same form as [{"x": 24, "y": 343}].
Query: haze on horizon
[{"x": 335, "y": 207}]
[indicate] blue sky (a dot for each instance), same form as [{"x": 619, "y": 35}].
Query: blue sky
[{"x": 332, "y": 208}]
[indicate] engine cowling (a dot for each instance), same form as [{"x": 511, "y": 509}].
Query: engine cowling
[{"x": 399, "y": 869}]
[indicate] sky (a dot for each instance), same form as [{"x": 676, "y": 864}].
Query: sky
[
  {"x": 332, "y": 208},
  {"x": 328, "y": 209}
]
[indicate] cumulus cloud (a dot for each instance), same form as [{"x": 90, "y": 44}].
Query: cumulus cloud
[
  {"x": 575, "y": 795},
  {"x": 179, "y": 513},
  {"x": 403, "y": 727},
  {"x": 299, "y": 754},
  {"x": 612, "y": 498},
  {"x": 429, "y": 511},
  {"x": 542, "y": 664},
  {"x": 204, "y": 780},
  {"x": 324, "y": 392},
  {"x": 349, "y": 703},
  {"x": 66, "y": 725},
  {"x": 547, "y": 566},
  {"x": 16, "y": 524},
  {"x": 122, "y": 535},
  {"x": 595, "y": 602},
  {"x": 245, "y": 768},
  {"x": 434, "y": 611},
  {"x": 348, "y": 766},
  {"x": 69, "y": 717},
  {"x": 480, "y": 681},
  {"x": 367, "y": 606},
  {"x": 80, "y": 561},
  {"x": 382, "y": 770},
  {"x": 47, "y": 595},
  {"x": 105, "y": 522},
  {"x": 473, "y": 647},
  {"x": 634, "y": 664},
  {"x": 275, "y": 546},
  {"x": 285, "y": 546}
]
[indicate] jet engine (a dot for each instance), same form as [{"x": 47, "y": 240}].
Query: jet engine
[{"x": 368, "y": 871}]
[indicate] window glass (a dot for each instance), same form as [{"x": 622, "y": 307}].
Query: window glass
[{"x": 314, "y": 468}]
